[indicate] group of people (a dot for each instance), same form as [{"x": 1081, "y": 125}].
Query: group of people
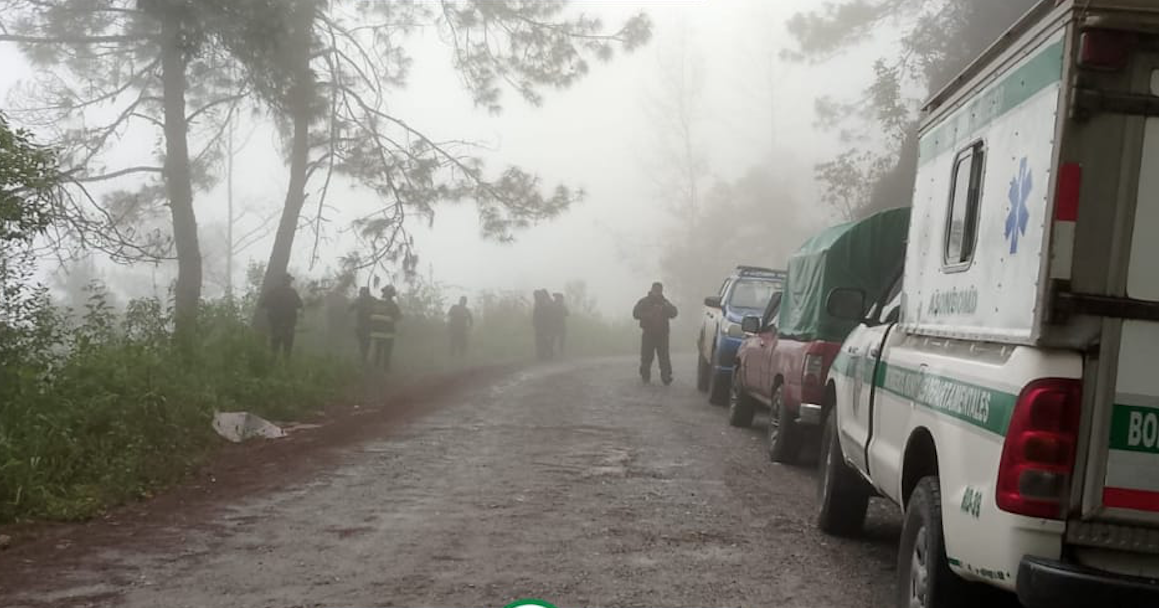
[
  {"x": 375, "y": 320},
  {"x": 549, "y": 318}
]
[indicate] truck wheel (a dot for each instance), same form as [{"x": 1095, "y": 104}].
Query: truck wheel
[
  {"x": 924, "y": 575},
  {"x": 718, "y": 389},
  {"x": 703, "y": 369},
  {"x": 784, "y": 437},
  {"x": 842, "y": 496},
  {"x": 740, "y": 405}
]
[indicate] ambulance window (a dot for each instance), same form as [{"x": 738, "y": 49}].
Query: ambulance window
[{"x": 965, "y": 194}]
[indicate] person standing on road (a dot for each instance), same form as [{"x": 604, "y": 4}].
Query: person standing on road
[
  {"x": 460, "y": 322},
  {"x": 558, "y": 322},
  {"x": 282, "y": 304},
  {"x": 654, "y": 312},
  {"x": 363, "y": 307},
  {"x": 382, "y": 327},
  {"x": 541, "y": 321}
]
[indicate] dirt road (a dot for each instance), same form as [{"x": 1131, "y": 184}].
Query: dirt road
[{"x": 570, "y": 482}]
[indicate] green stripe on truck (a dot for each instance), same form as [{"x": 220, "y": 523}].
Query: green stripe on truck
[
  {"x": 1135, "y": 429},
  {"x": 1042, "y": 71},
  {"x": 980, "y": 406}
]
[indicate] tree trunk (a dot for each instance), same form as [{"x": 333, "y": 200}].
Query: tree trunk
[
  {"x": 178, "y": 182},
  {"x": 295, "y": 198},
  {"x": 300, "y": 108}
]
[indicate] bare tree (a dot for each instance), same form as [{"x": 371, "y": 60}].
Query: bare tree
[{"x": 680, "y": 165}]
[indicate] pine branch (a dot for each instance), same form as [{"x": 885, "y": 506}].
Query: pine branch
[{"x": 88, "y": 179}]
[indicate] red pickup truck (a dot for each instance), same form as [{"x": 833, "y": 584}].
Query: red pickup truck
[{"x": 784, "y": 360}]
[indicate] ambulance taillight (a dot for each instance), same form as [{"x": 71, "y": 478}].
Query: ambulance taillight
[
  {"x": 1104, "y": 49},
  {"x": 1039, "y": 453}
]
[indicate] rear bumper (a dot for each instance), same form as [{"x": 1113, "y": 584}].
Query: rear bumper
[{"x": 1050, "y": 584}]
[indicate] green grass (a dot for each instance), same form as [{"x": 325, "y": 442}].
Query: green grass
[{"x": 118, "y": 410}]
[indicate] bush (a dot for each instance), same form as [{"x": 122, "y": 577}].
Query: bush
[{"x": 110, "y": 409}]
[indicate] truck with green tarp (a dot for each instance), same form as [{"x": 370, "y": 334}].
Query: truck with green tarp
[{"x": 785, "y": 362}]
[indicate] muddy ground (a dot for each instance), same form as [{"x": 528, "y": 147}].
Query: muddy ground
[{"x": 570, "y": 482}]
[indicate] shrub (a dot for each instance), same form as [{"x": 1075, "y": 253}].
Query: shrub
[{"x": 109, "y": 409}]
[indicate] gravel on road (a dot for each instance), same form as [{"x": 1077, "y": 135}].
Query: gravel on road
[{"x": 570, "y": 482}]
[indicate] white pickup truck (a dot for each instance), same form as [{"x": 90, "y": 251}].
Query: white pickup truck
[{"x": 1005, "y": 391}]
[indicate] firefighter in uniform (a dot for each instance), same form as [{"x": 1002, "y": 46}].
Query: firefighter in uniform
[{"x": 383, "y": 319}]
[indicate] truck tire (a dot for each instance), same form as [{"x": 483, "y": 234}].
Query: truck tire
[
  {"x": 741, "y": 407},
  {"x": 842, "y": 496},
  {"x": 718, "y": 389},
  {"x": 703, "y": 369},
  {"x": 924, "y": 577},
  {"x": 784, "y": 437}
]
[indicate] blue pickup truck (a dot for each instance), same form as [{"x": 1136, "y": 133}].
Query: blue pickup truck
[{"x": 746, "y": 292}]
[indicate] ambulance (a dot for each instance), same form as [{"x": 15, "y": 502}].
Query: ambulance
[{"x": 1004, "y": 392}]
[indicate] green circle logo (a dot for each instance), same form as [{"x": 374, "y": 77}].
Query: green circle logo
[{"x": 529, "y": 603}]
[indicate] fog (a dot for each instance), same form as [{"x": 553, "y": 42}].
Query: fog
[
  {"x": 602, "y": 135},
  {"x": 605, "y": 134},
  {"x": 415, "y": 245}
]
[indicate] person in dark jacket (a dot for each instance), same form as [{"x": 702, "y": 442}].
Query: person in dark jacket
[
  {"x": 460, "y": 322},
  {"x": 282, "y": 304},
  {"x": 541, "y": 320},
  {"x": 383, "y": 318},
  {"x": 363, "y": 307},
  {"x": 654, "y": 312}
]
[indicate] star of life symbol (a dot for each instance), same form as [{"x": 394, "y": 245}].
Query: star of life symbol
[{"x": 1019, "y": 216}]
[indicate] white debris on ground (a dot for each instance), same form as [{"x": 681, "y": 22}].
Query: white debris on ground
[{"x": 239, "y": 426}]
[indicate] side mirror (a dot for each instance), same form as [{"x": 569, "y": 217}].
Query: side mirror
[
  {"x": 751, "y": 325},
  {"x": 846, "y": 303},
  {"x": 713, "y": 302}
]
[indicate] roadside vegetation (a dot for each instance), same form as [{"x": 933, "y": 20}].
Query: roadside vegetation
[
  {"x": 100, "y": 405},
  {"x": 112, "y": 408}
]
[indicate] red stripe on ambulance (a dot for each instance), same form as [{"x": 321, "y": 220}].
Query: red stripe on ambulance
[{"x": 1138, "y": 500}]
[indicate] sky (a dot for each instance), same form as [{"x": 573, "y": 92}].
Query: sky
[{"x": 599, "y": 135}]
